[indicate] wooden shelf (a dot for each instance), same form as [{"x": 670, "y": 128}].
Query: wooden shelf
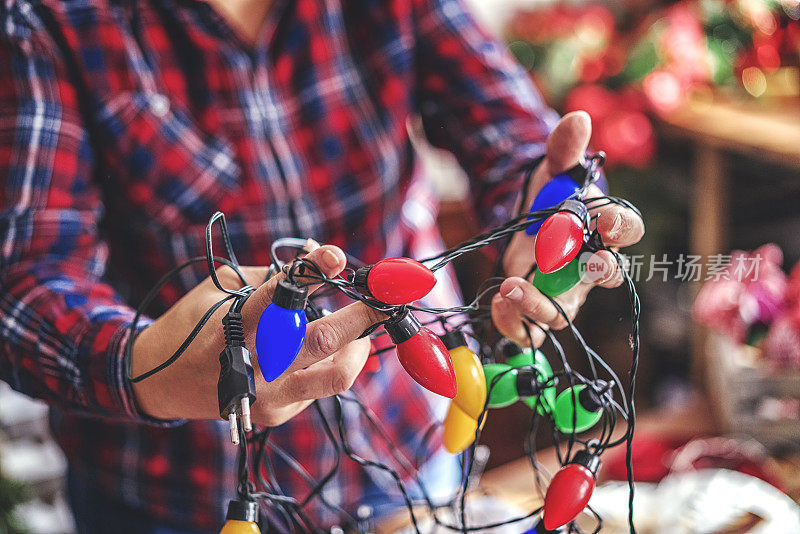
[{"x": 759, "y": 130}]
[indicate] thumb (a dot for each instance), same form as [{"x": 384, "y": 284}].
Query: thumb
[{"x": 568, "y": 142}]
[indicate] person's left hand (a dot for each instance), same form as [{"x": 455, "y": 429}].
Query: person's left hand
[{"x": 618, "y": 226}]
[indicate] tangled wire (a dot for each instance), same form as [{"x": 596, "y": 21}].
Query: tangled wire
[{"x": 612, "y": 401}]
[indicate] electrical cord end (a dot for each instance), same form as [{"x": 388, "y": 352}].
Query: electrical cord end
[{"x": 236, "y": 389}]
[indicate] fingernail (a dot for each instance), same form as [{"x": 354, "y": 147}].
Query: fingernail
[
  {"x": 514, "y": 294},
  {"x": 329, "y": 259}
]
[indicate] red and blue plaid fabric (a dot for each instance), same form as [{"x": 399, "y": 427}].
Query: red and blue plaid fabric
[{"x": 125, "y": 123}]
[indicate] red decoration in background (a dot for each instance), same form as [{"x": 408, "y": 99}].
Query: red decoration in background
[
  {"x": 666, "y": 55},
  {"x": 594, "y": 99},
  {"x": 654, "y": 457},
  {"x": 749, "y": 291},
  {"x": 664, "y": 91},
  {"x": 630, "y": 137}
]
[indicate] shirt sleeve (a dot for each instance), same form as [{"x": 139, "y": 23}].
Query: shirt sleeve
[
  {"x": 62, "y": 330},
  {"x": 477, "y": 102}
]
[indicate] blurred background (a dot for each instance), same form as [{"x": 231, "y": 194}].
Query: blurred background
[{"x": 697, "y": 104}]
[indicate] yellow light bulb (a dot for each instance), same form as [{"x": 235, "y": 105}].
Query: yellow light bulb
[
  {"x": 470, "y": 381},
  {"x": 459, "y": 429},
  {"x": 466, "y": 407},
  {"x": 233, "y": 526}
]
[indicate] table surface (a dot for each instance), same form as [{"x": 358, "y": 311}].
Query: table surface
[{"x": 763, "y": 130}]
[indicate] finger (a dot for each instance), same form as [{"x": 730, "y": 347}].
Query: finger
[
  {"x": 619, "y": 226},
  {"x": 602, "y": 270},
  {"x": 330, "y": 376},
  {"x": 507, "y": 319},
  {"x": 329, "y": 258},
  {"x": 568, "y": 142},
  {"x": 531, "y": 303},
  {"x": 254, "y": 275},
  {"x": 331, "y": 333}
]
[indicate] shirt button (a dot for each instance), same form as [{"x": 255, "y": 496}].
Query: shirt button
[{"x": 159, "y": 104}]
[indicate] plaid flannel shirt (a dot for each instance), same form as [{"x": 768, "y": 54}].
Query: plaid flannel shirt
[{"x": 125, "y": 123}]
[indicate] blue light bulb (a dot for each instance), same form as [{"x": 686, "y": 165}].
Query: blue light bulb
[
  {"x": 281, "y": 330},
  {"x": 554, "y": 192}
]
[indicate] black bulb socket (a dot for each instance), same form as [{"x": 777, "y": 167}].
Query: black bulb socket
[
  {"x": 453, "y": 339},
  {"x": 242, "y": 511},
  {"x": 577, "y": 208},
  {"x": 528, "y": 384},
  {"x": 402, "y": 326},
  {"x": 360, "y": 281},
  {"x": 539, "y": 528},
  {"x": 290, "y": 296},
  {"x": 509, "y": 349},
  {"x": 578, "y": 172},
  {"x": 590, "y": 397},
  {"x": 588, "y": 460}
]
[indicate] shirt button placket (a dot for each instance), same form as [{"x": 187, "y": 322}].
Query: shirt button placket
[{"x": 159, "y": 104}]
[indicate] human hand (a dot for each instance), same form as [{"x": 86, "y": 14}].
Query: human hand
[
  {"x": 619, "y": 227},
  {"x": 328, "y": 363}
]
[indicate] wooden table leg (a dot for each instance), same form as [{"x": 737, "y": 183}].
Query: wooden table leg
[{"x": 708, "y": 230}]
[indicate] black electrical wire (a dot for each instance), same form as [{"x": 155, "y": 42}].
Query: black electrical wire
[{"x": 474, "y": 320}]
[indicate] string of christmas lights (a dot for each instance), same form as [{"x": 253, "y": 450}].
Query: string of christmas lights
[{"x": 498, "y": 374}]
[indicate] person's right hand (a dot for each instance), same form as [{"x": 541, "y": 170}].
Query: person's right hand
[{"x": 328, "y": 363}]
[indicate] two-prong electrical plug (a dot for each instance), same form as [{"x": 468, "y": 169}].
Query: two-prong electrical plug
[{"x": 236, "y": 388}]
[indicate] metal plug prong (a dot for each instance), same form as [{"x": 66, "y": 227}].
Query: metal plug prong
[
  {"x": 246, "y": 422},
  {"x": 234, "y": 427}
]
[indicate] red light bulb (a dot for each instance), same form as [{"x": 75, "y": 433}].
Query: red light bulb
[
  {"x": 395, "y": 280},
  {"x": 561, "y": 236},
  {"x": 423, "y": 355},
  {"x": 570, "y": 490}
]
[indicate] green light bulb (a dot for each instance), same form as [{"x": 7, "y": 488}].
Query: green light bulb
[
  {"x": 522, "y": 357},
  {"x": 560, "y": 281},
  {"x": 584, "y": 403},
  {"x": 504, "y": 391}
]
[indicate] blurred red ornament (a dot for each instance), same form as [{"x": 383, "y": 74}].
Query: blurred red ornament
[
  {"x": 782, "y": 345},
  {"x": 683, "y": 44},
  {"x": 627, "y": 137},
  {"x": 663, "y": 90},
  {"x": 749, "y": 291},
  {"x": 767, "y": 55},
  {"x": 793, "y": 287},
  {"x": 594, "y": 99},
  {"x": 791, "y": 39},
  {"x": 651, "y": 456},
  {"x": 743, "y": 455},
  {"x": 633, "y": 99},
  {"x": 592, "y": 68}
]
